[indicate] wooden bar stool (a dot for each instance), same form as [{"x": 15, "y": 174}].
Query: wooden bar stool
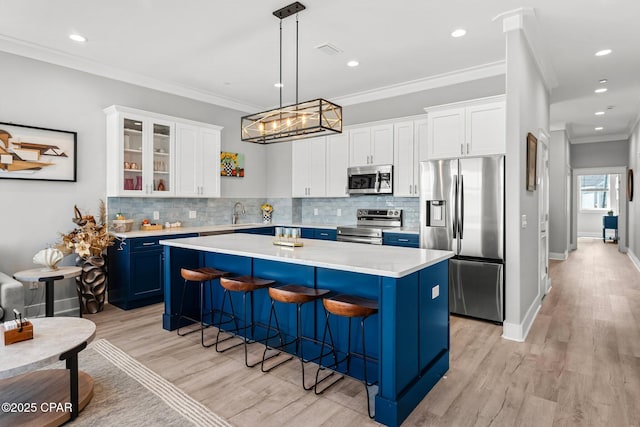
[
  {"x": 247, "y": 285},
  {"x": 298, "y": 295},
  {"x": 349, "y": 306},
  {"x": 199, "y": 275}
]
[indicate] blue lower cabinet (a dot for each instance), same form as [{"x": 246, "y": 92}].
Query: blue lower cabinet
[
  {"x": 136, "y": 271},
  {"x": 307, "y": 233},
  {"x": 267, "y": 231},
  {"x": 325, "y": 234},
  {"x": 401, "y": 239}
]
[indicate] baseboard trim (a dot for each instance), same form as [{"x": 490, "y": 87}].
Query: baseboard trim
[
  {"x": 519, "y": 331},
  {"x": 634, "y": 259},
  {"x": 63, "y": 307},
  {"x": 559, "y": 256},
  {"x": 589, "y": 234}
]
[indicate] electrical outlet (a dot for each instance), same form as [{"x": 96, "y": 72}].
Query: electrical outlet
[
  {"x": 339, "y": 212},
  {"x": 156, "y": 215},
  {"x": 315, "y": 211},
  {"x": 192, "y": 214}
]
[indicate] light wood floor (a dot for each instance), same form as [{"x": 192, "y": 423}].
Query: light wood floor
[{"x": 580, "y": 364}]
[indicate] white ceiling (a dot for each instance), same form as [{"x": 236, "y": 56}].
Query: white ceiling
[{"x": 226, "y": 51}]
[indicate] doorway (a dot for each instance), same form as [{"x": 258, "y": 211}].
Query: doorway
[{"x": 600, "y": 206}]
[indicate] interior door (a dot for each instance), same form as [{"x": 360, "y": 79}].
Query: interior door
[{"x": 543, "y": 216}]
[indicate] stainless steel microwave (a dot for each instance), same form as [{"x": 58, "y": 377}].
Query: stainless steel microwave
[{"x": 371, "y": 179}]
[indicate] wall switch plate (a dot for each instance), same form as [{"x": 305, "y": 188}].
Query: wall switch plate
[
  {"x": 315, "y": 211},
  {"x": 339, "y": 212},
  {"x": 192, "y": 214},
  {"x": 435, "y": 292},
  {"x": 156, "y": 215},
  {"x": 523, "y": 221}
]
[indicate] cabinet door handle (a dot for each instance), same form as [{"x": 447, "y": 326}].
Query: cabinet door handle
[
  {"x": 410, "y": 189},
  {"x": 468, "y": 148},
  {"x": 415, "y": 188},
  {"x": 461, "y": 148}
]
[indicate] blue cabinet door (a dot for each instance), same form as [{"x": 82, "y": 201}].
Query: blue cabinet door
[{"x": 401, "y": 239}]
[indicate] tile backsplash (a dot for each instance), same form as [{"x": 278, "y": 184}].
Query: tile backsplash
[{"x": 285, "y": 210}]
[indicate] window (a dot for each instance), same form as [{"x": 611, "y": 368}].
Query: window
[{"x": 594, "y": 192}]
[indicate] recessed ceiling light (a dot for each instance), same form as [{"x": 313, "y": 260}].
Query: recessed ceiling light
[
  {"x": 78, "y": 38},
  {"x": 278, "y": 85},
  {"x": 459, "y": 32},
  {"x": 602, "y": 81},
  {"x": 601, "y": 90},
  {"x": 603, "y": 52},
  {"x": 353, "y": 63},
  {"x": 598, "y": 128},
  {"x": 599, "y": 113}
]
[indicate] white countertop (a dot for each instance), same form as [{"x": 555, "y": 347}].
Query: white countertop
[
  {"x": 389, "y": 261},
  {"x": 230, "y": 228}
]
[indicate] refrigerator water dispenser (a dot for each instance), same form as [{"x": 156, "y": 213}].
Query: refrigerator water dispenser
[{"x": 436, "y": 213}]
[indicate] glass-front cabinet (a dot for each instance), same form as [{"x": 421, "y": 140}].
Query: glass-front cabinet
[{"x": 140, "y": 154}]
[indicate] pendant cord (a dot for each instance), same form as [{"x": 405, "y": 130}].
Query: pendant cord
[
  {"x": 280, "y": 82},
  {"x": 296, "y": 59}
]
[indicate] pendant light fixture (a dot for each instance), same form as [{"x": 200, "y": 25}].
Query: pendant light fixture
[{"x": 300, "y": 120}]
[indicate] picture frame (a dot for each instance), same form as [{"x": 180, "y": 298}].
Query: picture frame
[
  {"x": 630, "y": 185},
  {"x": 532, "y": 162},
  {"x": 37, "y": 153}
]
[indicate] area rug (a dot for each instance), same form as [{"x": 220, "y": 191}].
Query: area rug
[{"x": 128, "y": 393}]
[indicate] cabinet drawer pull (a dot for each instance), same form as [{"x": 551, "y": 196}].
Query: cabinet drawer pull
[
  {"x": 324, "y": 234},
  {"x": 149, "y": 244},
  {"x": 403, "y": 240}
]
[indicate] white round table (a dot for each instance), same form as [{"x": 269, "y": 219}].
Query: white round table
[
  {"x": 54, "y": 339},
  {"x": 48, "y": 276}
]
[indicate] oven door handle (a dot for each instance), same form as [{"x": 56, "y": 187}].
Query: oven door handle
[{"x": 354, "y": 239}]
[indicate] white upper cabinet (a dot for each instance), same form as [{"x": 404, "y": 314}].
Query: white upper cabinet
[
  {"x": 197, "y": 161},
  {"x": 153, "y": 155},
  {"x": 337, "y": 164},
  {"x": 409, "y": 142},
  {"x": 140, "y": 154},
  {"x": 371, "y": 145},
  {"x": 308, "y": 168},
  {"x": 472, "y": 128}
]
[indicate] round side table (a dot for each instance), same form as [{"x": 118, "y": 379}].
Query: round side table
[{"x": 48, "y": 276}]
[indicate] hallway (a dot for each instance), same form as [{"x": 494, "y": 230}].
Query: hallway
[{"x": 580, "y": 364}]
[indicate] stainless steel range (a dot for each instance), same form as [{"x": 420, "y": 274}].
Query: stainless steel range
[{"x": 370, "y": 224}]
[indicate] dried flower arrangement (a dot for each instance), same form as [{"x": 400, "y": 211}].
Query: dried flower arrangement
[{"x": 91, "y": 238}]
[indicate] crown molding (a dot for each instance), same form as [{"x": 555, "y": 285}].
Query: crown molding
[
  {"x": 601, "y": 138},
  {"x": 524, "y": 19},
  {"x": 57, "y": 57},
  {"x": 440, "y": 80}
]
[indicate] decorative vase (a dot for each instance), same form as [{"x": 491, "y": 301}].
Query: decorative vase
[
  {"x": 49, "y": 257},
  {"x": 138, "y": 183},
  {"x": 266, "y": 217},
  {"x": 91, "y": 284}
]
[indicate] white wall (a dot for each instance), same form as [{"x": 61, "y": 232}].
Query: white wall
[
  {"x": 559, "y": 194},
  {"x": 527, "y": 111},
  {"x": 40, "y": 94},
  {"x": 600, "y": 154},
  {"x": 634, "y": 210}
]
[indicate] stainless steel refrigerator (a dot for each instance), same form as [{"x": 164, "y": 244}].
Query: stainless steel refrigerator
[{"x": 462, "y": 210}]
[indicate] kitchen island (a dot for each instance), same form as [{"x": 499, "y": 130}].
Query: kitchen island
[{"x": 409, "y": 336}]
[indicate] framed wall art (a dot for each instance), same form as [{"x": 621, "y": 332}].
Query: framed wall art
[
  {"x": 532, "y": 161},
  {"x": 231, "y": 164},
  {"x": 28, "y": 152}
]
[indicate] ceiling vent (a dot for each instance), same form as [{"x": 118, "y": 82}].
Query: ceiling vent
[{"x": 328, "y": 49}]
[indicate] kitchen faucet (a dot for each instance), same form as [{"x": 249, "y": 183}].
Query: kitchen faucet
[{"x": 235, "y": 211}]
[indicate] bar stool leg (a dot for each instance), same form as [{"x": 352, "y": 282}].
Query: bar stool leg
[
  {"x": 220, "y": 323},
  {"x": 327, "y": 329},
  {"x": 267, "y": 347}
]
